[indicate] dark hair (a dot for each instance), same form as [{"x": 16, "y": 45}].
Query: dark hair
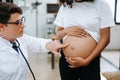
[
  {"x": 69, "y": 2},
  {"x": 6, "y": 9}
]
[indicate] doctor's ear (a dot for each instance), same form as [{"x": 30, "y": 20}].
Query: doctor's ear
[{"x": 1, "y": 27}]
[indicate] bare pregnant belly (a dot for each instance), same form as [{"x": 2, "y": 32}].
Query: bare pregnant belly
[{"x": 81, "y": 47}]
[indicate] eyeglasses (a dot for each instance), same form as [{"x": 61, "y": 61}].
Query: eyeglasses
[{"x": 18, "y": 22}]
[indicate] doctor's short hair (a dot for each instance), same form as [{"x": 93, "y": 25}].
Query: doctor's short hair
[
  {"x": 69, "y": 2},
  {"x": 6, "y": 9}
]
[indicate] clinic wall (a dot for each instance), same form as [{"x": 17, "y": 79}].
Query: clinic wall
[
  {"x": 115, "y": 39},
  {"x": 36, "y": 20},
  {"x": 43, "y": 26}
]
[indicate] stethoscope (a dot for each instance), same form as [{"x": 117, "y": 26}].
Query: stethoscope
[{"x": 18, "y": 46}]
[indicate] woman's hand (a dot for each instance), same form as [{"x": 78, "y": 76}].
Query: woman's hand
[
  {"x": 75, "y": 31},
  {"x": 76, "y": 62}
]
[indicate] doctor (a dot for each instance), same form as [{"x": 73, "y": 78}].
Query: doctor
[{"x": 13, "y": 63}]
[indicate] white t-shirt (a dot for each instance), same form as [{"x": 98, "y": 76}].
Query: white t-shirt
[{"x": 92, "y": 16}]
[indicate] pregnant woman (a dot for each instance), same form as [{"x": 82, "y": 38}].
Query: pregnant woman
[
  {"x": 79, "y": 47},
  {"x": 85, "y": 25}
]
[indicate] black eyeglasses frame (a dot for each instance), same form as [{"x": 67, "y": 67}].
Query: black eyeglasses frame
[{"x": 18, "y": 22}]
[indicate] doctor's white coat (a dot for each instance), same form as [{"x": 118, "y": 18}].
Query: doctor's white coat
[{"x": 12, "y": 64}]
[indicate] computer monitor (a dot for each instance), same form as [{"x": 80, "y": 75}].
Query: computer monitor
[{"x": 52, "y": 8}]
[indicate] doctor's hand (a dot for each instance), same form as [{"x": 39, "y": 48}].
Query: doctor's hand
[
  {"x": 76, "y": 31},
  {"x": 55, "y": 46},
  {"x": 76, "y": 62}
]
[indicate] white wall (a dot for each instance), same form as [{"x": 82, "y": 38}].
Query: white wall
[
  {"x": 115, "y": 38},
  {"x": 34, "y": 16}
]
